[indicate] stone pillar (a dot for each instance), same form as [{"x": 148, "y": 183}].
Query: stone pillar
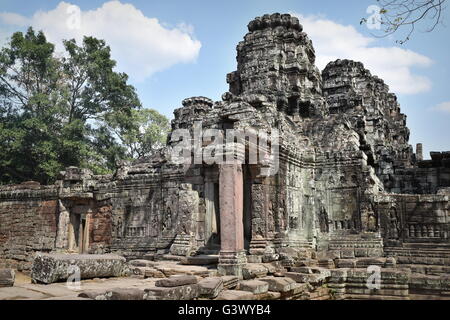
[
  {"x": 419, "y": 152},
  {"x": 63, "y": 228},
  {"x": 231, "y": 192}
]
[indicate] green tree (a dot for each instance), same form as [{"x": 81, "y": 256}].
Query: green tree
[
  {"x": 148, "y": 134},
  {"x": 30, "y": 101},
  {"x": 73, "y": 110}
]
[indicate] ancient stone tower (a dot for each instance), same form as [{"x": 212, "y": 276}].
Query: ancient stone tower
[{"x": 276, "y": 59}]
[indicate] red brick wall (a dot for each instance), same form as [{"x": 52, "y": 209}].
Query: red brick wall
[
  {"x": 100, "y": 228},
  {"x": 26, "y": 226}
]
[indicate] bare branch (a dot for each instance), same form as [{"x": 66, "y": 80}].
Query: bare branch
[{"x": 397, "y": 15}]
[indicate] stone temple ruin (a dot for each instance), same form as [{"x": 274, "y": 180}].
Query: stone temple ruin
[{"x": 349, "y": 192}]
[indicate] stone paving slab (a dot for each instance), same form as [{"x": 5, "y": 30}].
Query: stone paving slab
[{"x": 31, "y": 291}]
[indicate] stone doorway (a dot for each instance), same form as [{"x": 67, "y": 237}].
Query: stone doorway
[
  {"x": 212, "y": 217},
  {"x": 78, "y": 233}
]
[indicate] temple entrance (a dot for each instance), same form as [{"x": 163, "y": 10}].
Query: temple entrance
[
  {"x": 212, "y": 217},
  {"x": 78, "y": 233}
]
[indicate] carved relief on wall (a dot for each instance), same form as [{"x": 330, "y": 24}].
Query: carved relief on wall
[
  {"x": 393, "y": 231},
  {"x": 119, "y": 227},
  {"x": 187, "y": 209},
  {"x": 135, "y": 224},
  {"x": 343, "y": 208},
  {"x": 369, "y": 218},
  {"x": 323, "y": 220},
  {"x": 169, "y": 212}
]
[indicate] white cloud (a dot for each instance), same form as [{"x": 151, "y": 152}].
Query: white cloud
[
  {"x": 444, "y": 107},
  {"x": 13, "y": 19},
  {"x": 394, "y": 65},
  {"x": 140, "y": 45}
]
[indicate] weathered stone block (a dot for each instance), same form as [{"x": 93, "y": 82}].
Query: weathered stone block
[
  {"x": 210, "y": 287},
  {"x": 253, "y": 270},
  {"x": 141, "y": 263},
  {"x": 186, "y": 292},
  {"x": 235, "y": 295},
  {"x": 254, "y": 286},
  {"x": 230, "y": 282},
  {"x": 176, "y": 280},
  {"x": 278, "y": 284},
  {"x": 49, "y": 268},
  {"x": 7, "y": 277},
  {"x": 297, "y": 277}
]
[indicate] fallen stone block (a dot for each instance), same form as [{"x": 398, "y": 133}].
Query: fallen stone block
[
  {"x": 271, "y": 269},
  {"x": 187, "y": 292},
  {"x": 176, "y": 280},
  {"x": 49, "y": 268},
  {"x": 170, "y": 269},
  {"x": 210, "y": 287},
  {"x": 254, "y": 286},
  {"x": 298, "y": 291},
  {"x": 7, "y": 277},
  {"x": 297, "y": 277},
  {"x": 230, "y": 282},
  {"x": 278, "y": 284},
  {"x": 141, "y": 263},
  {"x": 235, "y": 295},
  {"x": 314, "y": 279},
  {"x": 307, "y": 270},
  {"x": 253, "y": 270}
]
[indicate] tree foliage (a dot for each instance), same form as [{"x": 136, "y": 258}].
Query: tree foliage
[{"x": 69, "y": 110}]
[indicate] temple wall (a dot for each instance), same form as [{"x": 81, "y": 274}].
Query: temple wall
[
  {"x": 148, "y": 213},
  {"x": 28, "y": 223},
  {"x": 407, "y": 219},
  {"x": 426, "y": 178}
]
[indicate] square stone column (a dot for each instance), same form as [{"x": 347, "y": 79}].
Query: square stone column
[{"x": 231, "y": 197}]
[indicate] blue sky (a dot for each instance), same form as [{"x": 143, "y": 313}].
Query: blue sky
[{"x": 177, "y": 49}]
